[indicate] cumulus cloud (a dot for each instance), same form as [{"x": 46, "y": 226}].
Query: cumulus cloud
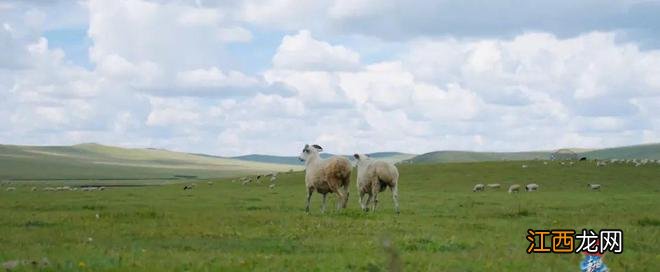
[
  {"x": 165, "y": 74},
  {"x": 303, "y": 52}
]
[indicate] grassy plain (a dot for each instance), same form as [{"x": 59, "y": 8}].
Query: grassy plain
[{"x": 443, "y": 225}]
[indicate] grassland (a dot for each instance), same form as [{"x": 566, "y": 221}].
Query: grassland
[{"x": 443, "y": 226}]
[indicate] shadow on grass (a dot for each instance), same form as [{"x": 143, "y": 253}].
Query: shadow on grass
[{"x": 648, "y": 222}]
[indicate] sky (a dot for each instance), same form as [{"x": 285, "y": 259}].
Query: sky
[{"x": 354, "y": 76}]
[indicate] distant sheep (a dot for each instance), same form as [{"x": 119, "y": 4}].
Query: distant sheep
[
  {"x": 524, "y": 166},
  {"x": 494, "y": 186},
  {"x": 271, "y": 186},
  {"x": 478, "y": 188},
  {"x": 34, "y": 189},
  {"x": 532, "y": 187},
  {"x": 210, "y": 183},
  {"x": 9, "y": 189},
  {"x": 188, "y": 187},
  {"x": 594, "y": 187},
  {"x": 246, "y": 181},
  {"x": 514, "y": 188},
  {"x": 331, "y": 175},
  {"x": 373, "y": 177}
]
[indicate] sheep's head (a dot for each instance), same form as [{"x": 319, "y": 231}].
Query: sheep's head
[
  {"x": 308, "y": 151},
  {"x": 361, "y": 159}
]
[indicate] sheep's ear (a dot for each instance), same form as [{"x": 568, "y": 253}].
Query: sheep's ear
[
  {"x": 318, "y": 147},
  {"x": 357, "y": 157}
]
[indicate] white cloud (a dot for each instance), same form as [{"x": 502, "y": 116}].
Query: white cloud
[
  {"x": 161, "y": 76},
  {"x": 213, "y": 77},
  {"x": 303, "y": 52}
]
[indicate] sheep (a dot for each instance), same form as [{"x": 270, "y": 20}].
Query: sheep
[
  {"x": 273, "y": 178},
  {"x": 331, "y": 175},
  {"x": 271, "y": 186},
  {"x": 210, "y": 183},
  {"x": 478, "y": 188},
  {"x": 373, "y": 177},
  {"x": 524, "y": 166},
  {"x": 49, "y": 189},
  {"x": 9, "y": 189},
  {"x": 532, "y": 187},
  {"x": 514, "y": 188},
  {"x": 593, "y": 186},
  {"x": 188, "y": 187},
  {"x": 34, "y": 189},
  {"x": 494, "y": 185}
]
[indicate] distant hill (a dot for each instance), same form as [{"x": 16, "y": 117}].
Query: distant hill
[
  {"x": 95, "y": 161},
  {"x": 646, "y": 151},
  {"x": 291, "y": 160},
  {"x": 467, "y": 156}
]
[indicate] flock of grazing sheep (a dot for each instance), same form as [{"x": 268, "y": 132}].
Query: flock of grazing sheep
[
  {"x": 533, "y": 187},
  {"x": 60, "y": 188}
]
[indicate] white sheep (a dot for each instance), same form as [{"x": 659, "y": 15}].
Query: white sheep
[
  {"x": 494, "y": 185},
  {"x": 593, "y": 186},
  {"x": 532, "y": 187},
  {"x": 9, "y": 189},
  {"x": 514, "y": 188},
  {"x": 373, "y": 177},
  {"x": 524, "y": 166},
  {"x": 34, "y": 189},
  {"x": 271, "y": 186},
  {"x": 331, "y": 175},
  {"x": 478, "y": 188}
]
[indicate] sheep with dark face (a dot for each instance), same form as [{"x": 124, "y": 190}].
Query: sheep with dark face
[
  {"x": 331, "y": 175},
  {"x": 373, "y": 177},
  {"x": 478, "y": 188}
]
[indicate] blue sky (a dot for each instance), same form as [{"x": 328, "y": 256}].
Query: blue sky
[{"x": 230, "y": 78}]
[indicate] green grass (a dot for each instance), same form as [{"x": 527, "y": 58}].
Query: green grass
[{"x": 443, "y": 226}]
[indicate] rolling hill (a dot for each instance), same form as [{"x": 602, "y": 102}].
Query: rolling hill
[
  {"x": 393, "y": 157},
  {"x": 101, "y": 162},
  {"x": 94, "y": 161},
  {"x": 468, "y": 156},
  {"x": 646, "y": 151}
]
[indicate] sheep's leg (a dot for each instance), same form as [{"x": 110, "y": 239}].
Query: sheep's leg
[
  {"x": 361, "y": 200},
  {"x": 340, "y": 199},
  {"x": 323, "y": 206},
  {"x": 345, "y": 200},
  {"x": 395, "y": 197},
  {"x": 374, "y": 190},
  {"x": 309, "y": 198}
]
